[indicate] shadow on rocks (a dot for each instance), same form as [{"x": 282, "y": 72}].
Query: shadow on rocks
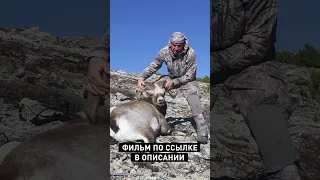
[{"x": 176, "y": 121}]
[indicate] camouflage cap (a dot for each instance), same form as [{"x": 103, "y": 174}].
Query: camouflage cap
[{"x": 177, "y": 37}]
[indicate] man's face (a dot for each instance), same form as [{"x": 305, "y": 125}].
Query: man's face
[{"x": 176, "y": 47}]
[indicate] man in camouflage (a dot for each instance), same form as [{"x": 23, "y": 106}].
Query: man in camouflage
[
  {"x": 181, "y": 63},
  {"x": 242, "y": 46},
  {"x": 184, "y": 66}
]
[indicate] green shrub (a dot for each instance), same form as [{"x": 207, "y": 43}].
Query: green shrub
[
  {"x": 307, "y": 57},
  {"x": 205, "y": 79}
]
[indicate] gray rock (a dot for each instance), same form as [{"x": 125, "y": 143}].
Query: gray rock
[{"x": 30, "y": 55}]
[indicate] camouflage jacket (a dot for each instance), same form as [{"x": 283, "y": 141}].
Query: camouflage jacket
[
  {"x": 243, "y": 36},
  {"x": 244, "y": 33},
  {"x": 102, "y": 49},
  {"x": 182, "y": 68}
]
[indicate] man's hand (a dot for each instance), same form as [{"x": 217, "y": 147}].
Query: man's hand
[
  {"x": 141, "y": 85},
  {"x": 169, "y": 84},
  {"x": 96, "y": 84}
]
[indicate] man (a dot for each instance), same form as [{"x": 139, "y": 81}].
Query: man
[
  {"x": 180, "y": 59},
  {"x": 242, "y": 46}
]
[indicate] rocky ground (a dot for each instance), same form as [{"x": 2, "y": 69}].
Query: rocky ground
[
  {"x": 179, "y": 117},
  {"x": 31, "y": 56},
  {"x": 233, "y": 149}
]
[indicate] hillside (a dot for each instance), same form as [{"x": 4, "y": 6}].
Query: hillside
[{"x": 31, "y": 56}]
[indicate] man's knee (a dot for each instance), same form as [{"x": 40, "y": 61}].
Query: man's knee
[
  {"x": 192, "y": 93},
  {"x": 195, "y": 104},
  {"x": 190, "y": 88}
]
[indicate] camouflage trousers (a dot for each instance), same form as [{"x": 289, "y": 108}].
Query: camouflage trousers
[
  {"x": 261, "y": 84},
  {"x": 263, "y": 99},
  {"x": 190, "y": 91}
]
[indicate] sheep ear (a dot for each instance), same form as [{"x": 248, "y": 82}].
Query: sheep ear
[{"x": 138, "y": 94}]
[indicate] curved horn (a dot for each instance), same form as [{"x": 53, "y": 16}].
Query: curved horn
[
  {"x": 91, "y": 107},
  {"x": 93, "y": 103},
  {"x": 138, "y": 94},
  {"x": 173, "y": 94}
]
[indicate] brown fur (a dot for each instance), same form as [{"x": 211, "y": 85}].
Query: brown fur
[
  {"x": 135, "y": 105},
  {"x": 138, "y": 105},
  {"x": 76, "y": 139},
  {"x": 60, "y": 153},
  {"x": 113, "y": 124},
  {"x": 147, "y": 102}
]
